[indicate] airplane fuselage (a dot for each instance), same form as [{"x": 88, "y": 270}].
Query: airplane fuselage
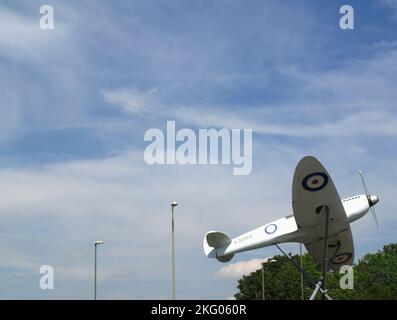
[{"x": 355, "y": 207}]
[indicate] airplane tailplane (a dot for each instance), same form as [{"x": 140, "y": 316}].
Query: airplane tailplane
[{"x": 214, "y": 240}]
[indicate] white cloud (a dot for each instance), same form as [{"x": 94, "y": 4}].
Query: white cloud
[
  {"x": 356, "y": 99},
  {"x": 374, "y": 122},
  {"x": 238, "y": 269},
  {"x": 133, "y": 100},
  {"x": 24, "y": 41},
  {"x": 42, "y": 86},
  {"x": 362, "y": 123}
]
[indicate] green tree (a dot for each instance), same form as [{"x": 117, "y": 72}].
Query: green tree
[{"x": 375, "y": 277}]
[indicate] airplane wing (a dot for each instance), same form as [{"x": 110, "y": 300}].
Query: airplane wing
[
  {"x": 312, "y": 189},
  {"x": 345, "y": 254}
]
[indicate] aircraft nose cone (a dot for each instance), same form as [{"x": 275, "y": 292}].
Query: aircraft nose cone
[{"x": 373, "y": 200}]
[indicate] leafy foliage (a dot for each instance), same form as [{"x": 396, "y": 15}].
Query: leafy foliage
[{"x": 375, "y": 277}]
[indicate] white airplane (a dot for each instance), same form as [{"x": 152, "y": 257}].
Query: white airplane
[{"x": 321, "y": 221}]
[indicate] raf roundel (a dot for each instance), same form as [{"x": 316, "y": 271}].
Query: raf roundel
[
  {"x": 315, "y": 181},
  {"x": 271, "y": 228},
  {"x": 342, "y": 258}
]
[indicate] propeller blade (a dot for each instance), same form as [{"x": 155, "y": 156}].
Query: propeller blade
[
  {"x": 364, "y": 184},
  {"x": 368, "y": 197},
  {"x": 375, "y": 218}
]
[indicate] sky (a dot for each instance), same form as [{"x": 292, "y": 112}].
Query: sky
[{"x": 77, "y": 100}]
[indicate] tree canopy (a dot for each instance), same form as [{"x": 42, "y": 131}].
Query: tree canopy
[{"x": 375, "y": 277}]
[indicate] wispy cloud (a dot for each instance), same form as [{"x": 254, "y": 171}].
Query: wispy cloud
[
  {"x": 133, "y": 100},
  {"x": 381, "y": 122},
  {"x": 62, "y": 208},
  {"x": 238, "y": 269},
  {"x": 24, "y": 41}
]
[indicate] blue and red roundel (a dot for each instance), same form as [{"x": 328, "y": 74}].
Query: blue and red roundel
[
  {"x": 271, "y": 228},
  {"x": 342, "y": 258},
  {"x": 315, "y": 181}
]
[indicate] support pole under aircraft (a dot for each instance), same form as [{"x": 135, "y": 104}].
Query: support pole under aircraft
[
  {"x": 325, "y": 269},
  {"x": 317, "y": 286}
]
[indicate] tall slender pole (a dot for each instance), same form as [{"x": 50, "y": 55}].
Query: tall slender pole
[
  {"x": 95, "y": 272},
  {"x": 173, "y": 255},
  {"x": 173, "y": 205},
  {"x": 325, "y": 271},
  {"x": 300, "y": 252},
  {"x": 98, "y": 242},
  {"x": 263, "y": 282}
]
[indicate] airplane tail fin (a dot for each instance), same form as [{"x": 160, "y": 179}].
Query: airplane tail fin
[{"x": 214, "y": 240}]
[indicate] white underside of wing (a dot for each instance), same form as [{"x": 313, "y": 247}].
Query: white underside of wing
[
  {"x": 312, "y": 192},
  {"x": 312, "y": 188},
  {"x": 345, "y": 254}
]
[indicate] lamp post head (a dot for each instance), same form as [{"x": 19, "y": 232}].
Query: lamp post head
[
  {"x": 174, "y": 204},
  {"x": 98, "y": 242},
  {"x": 269, "y": 260}
]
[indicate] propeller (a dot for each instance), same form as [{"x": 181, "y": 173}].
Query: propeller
[{"x": 370, "y": 200}]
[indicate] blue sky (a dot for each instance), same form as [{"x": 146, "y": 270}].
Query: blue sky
[{"x": 77, "y": 100}]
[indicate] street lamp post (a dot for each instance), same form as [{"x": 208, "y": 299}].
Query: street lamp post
[
  {"x": 98, "y": 242},
  {"x": 301, "y": 258},
  {"x": 263, "y": 281},
  {"x": 173, "y": 205},
  {"x": 263, "y": 276}
]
